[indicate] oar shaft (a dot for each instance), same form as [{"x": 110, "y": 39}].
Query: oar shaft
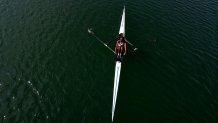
[
  {"x": 129, "y": 43},
  {"x": 135, "y": 48},
  {"x": 90, "y": 31}
]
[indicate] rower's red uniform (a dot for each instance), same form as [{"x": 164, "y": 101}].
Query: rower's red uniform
[{"x": 120, "y": 47}]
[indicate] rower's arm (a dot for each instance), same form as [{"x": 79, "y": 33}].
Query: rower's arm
[{"x": 125, "y": 48}]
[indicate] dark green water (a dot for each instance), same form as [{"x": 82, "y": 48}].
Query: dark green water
[{"x": 52, "y": 70}]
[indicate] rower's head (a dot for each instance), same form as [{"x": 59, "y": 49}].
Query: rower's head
[{"x": 121, "y": 34}]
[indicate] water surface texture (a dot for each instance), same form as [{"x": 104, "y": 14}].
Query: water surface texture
[{"x": 52, "y": 70}]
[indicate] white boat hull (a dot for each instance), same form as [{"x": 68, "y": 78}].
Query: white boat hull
[
  {"x": 118, "y": 67},
  {"x": 122, "y": 25},
  {"x": 116, "y": 84}
]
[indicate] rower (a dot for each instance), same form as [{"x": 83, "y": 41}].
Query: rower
[
  {"x": 120, "y": 48},
  {"x": 119, "y": 36}
]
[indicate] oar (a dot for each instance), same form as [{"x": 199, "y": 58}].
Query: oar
[
  {"x": 92, "y": 33},
  {"x": 135, "y": 48}
]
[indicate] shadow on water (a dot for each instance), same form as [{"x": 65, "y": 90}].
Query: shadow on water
[
  {"x": 145, "y": 52},
  {"x": 140, "y": 55}
]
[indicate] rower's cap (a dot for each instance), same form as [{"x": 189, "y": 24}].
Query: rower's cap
[{"x": 121, "y": 35}]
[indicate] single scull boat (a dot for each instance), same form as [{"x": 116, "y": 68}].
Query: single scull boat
[{"x": 118, "y": 67}]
